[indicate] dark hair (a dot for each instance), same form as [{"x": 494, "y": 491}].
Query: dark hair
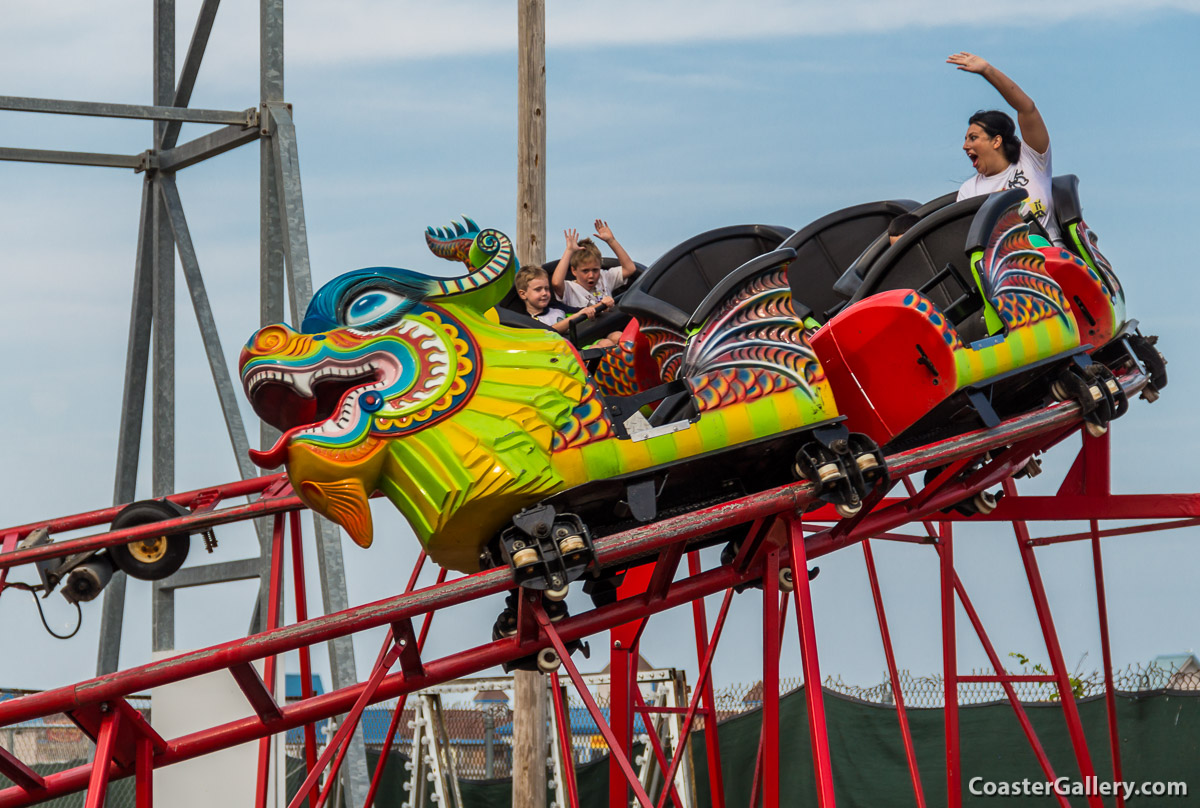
[
  {"x": 902, "y": 223},
  {"x": 995, "y": 122}
]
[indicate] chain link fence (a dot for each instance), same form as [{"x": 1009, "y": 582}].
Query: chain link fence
[
  {"x": 930, "y": 691},
  {"x": 54, "y": 743}
]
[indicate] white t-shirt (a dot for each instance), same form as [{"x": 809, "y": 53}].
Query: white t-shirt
[
  {"x": 1031, "y": 172},
  {"x": 551, "y": 315},
  {"x": 610, "y": 279}
]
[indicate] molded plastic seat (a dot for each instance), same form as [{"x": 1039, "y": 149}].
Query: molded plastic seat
[
  {"x": 826, "y": 248},
  {"x": 674, "y": 285},
  {"x": 849, "y": 281},
  {"x": 922, "y": 253}
]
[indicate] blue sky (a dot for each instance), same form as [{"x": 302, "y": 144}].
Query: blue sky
[{"x": 666, "y": 119}]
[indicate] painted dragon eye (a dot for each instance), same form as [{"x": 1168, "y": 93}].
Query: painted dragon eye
[{"x": 375, "y": 307}]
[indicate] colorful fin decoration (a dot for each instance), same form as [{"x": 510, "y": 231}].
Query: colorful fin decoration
[
  {"x": 1014, "y": 277},
  {"x": 757, "y": 328}
]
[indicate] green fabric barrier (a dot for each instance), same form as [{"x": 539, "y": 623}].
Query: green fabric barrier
[{"x": 1160, "y": 741}]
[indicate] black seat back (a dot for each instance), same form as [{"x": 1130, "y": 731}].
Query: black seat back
[
  {"x": 919, "y": 257},
  {"x": 674, "y": 285},
  {"x": 826, "y": 248},
  {"x": 846, "y": 285},
  {"x": 1067, "y": 208}
]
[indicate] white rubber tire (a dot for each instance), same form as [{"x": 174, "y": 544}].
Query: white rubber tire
[
  {"x": 846, "y": 511},
  {"x": 984, "y": 502},
  {"x": 524, "y": 557},
  {"x": 787, "y": 581},
  {"x": 548, "y": 661}
]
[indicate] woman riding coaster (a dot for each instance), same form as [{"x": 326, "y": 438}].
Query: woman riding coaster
[{"x": 1001, "y": 159}]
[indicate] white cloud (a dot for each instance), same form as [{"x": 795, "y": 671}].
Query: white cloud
[
  {"x": 382, "y": 30},
  {"x": 109, "y": 43}
]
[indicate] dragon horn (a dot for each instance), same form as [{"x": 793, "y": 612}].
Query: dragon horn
[{"x": 494, "y": 264}]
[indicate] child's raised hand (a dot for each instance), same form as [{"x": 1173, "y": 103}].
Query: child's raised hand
[
  {"x": 572, "y": 237},
  {"x": 602, "y": 231}
]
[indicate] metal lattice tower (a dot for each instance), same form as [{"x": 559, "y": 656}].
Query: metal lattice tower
[{"x": 162, "y": 233}]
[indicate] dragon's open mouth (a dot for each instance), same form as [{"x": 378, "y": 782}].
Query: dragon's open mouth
[{"x": 288, "y": 400}]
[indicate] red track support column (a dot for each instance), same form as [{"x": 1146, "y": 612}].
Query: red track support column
[
  {"x": 306, "y": 688},
  {"x": 1110, "y": 699},
  {"x": 276, "y": 600},
  {"x": 566, "y": 747},
  {"x": 817, "y": 732},
  {"x": 105, "y": 743},
  {"x": 342, "y": 737},
  {"x": 144, "y": 774},
  {"x": 712, "y": 741},
  {"x": 656, "y": 745},
  {"x": 893, "y": 676},
  {"x": 7, "y": 544},
  {"x": 622, "y": 672},
  {"x": 1054, "y": 650},
  {"x": 394, "y": 724},
  {"x": 950, "y": 670},
  {"x": 705, "y": 676},
  {"x": 581, "y": 687},
  {"x": 620, "y": 717},
  {"x": 758, "y": 758},
  {"x": 770, "y": 680}
]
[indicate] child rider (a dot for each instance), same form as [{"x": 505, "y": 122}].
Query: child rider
[{"x": 592, "y": 284}]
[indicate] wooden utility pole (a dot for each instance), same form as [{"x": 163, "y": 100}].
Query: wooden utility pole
[{"x": 529, "y": 697}]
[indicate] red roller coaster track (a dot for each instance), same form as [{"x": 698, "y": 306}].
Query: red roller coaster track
[{"x": 778, "y": 537}]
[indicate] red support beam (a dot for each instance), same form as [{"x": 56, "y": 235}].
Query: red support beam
[
  {"x": 144, "y": 773},
  {"x": 301, "y": 595},
  {"x": 817, "y": 731},
  {"x": 770, "y": 680},
  {"x": 377, "y": 776},
  {"x": 885, "y": 636},
  {"x": 950, "y": 670},
  {"x": 14, "y": 769},
  {"x": 1009, "y": 692},
  {"x": 997, "y": 664},
  {"x": 342, "y": 737},
  {"x": 105, "y": 745},
  {"x": 705, "y": 675},
  {"x": 581, "y": 687},
  {"x": 656, "y": 744},
  {"x": 712, "y": 743},
  {"x": 7, "y": 545},
  {"x": 566, "y": 747},
  {"x": 256, "y": 692},
  {"x": 758, "y": 758},
  {"x": 1054, "y": 650},
  {"x": 1110, "y": 700},
  {"x": 260, "y": 695}
]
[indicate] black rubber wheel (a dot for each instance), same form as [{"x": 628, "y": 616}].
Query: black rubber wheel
[{"x": 156, "y": 557}]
